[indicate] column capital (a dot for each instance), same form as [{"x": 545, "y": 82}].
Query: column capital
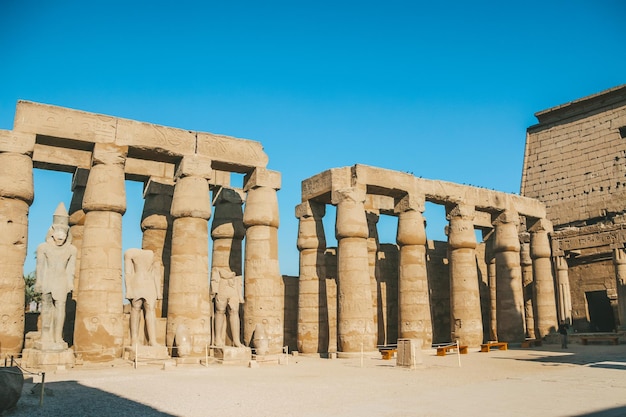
[
  {"x": 310, "y": 209},
  {"x": 194, "y": 166}
]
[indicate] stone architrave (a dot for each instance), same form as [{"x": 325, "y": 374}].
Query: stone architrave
[
  {"x": 619, "y": 260},
  {"x": 544, "y": 300},
  {"x": 413, "y": 294},
  {"x": 99, "y": 326},
  {"x": 227, "y": 232},
  {"x": 509, "y": 290},
  {"x": 156, "y": 224},
  {"x": 372, "y": 260},
  {"x": 466, "y": 319},
  {"x": 312, "y": 308},
  {"x": 56, "y": 263},
  {"x": 16, "y": 196},
  {"x": 528, "y": 285},
  {"x": 189, "y": 303},
  {"x": 355, "y": 330},
  {"x": 263, "y": 284},
  {"x": 564, "y": 293}
]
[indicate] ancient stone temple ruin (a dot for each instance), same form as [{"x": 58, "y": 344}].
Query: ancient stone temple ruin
[
  {"x": 186, "y": 177},
  {"x": 575, "y": 162},
  {"x": 501, "y": 288}
]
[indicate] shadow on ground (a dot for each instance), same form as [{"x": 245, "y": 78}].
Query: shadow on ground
[
  {"x": 609, "y": 412},
  {"x": 607, "y": 357},
  {"x": 69, "y": 398}
]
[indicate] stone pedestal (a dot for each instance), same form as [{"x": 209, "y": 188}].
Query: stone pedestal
[
  {"x": 229, "y": 355},
  {"x": 146, "y": 353},
  {"x": 48, "y": 355},
  {"x": 409, "y": 353}
]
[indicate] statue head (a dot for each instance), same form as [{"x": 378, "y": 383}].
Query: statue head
[{"x": 59, "y": 231}]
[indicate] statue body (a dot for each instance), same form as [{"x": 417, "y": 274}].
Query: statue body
[
  {"x": 143, "y": 272},
  {"x": 56, "y": 264},
  {"x": 227, "y": 289}
]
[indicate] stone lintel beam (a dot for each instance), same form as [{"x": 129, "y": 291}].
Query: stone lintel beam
[
  {"x": 410, "y": 201},
  {"x": 231, "y": 154},
  {"x": 262, "y": 177},
  {"x": 60, "y": 159},
  {"x": 310, "y": 209},
  {"x": 79, "y": 178},
  {"x": 379, "y": 204},
  {"x": 143, "y": 169},
  {"x": 159, "y": 185},
  {"x": 482, "y": 220},
  {"x": 539, "y": 225},
  {"x": 220, "y": 179},
  {"x": 17, "y": 142},
  {"x": 149, "y": 141},
  {"x": 321, "y": 186}
]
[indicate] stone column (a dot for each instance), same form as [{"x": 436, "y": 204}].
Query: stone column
[
  {"x": 528, "y": 285},
  {"x": 77, "y": 221},
  {"x": 465, "y": 314},
  {"x": 509, "y": 290},
  {"x": 372, "y": 261},
  {"x": 564, "y": 293},
  {"x": 263, "y": 285},
  {"x": 490, "y": 260},
  {"x": 189, "y": 304},
  {"x": 156, "y": 224},
  {"x": 227, "y": 232},
  {"x": 355, "y": 328},
  {"x": 413, "y": 295},
  {"x": 99, "y": 326},
  {"x": 16, "y": 196},
  {"x": 545, "y": 302},
  {"x": 312, "y": 308},
  {"x": 619, "y": 259}
]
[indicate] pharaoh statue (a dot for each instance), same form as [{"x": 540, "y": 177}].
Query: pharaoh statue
[
  {"x": 142, "y": 272},
  {"x": 226, "y": 287},
  {"x": 56, "y": 262}
]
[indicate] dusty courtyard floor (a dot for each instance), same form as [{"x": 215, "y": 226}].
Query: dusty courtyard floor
[{"x": 546, "y": 381}]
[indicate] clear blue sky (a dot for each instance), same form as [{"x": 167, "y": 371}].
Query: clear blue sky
[{"x": 445, "y": 90}]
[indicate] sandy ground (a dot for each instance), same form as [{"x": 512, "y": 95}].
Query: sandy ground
[{"x": 545, "y": 381}]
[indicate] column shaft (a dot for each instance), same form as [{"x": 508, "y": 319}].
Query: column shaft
[
  {"x": 312, "y": 308},
  {"x": 528, "y": 289},
  {"x": 619, "y": 260},
  {"x": 509, "y": 290},
  {"x": 99, "y": 327},
  {"x": 413, "y": 295},
  {"x": 355, "y": 329},
  {"x": 564, "y": 293},
  {"x": 465, "y": 312},
  {"x": 263, "y": 285},
  {"x": 545, "y": 302},
  {"x": 16, "y": 195}
]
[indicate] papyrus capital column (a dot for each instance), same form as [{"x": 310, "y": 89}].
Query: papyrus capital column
[
  {"x": 99, "y": 329},
  {"x": 189, "y": 304},
  {"x": 263, "y": 285},
  {"x": 355, "y": 329},
  {"x": 544, "y": 302},
  {"x": 16, "y": 196},
  {"x": 77, "y": 220},
  {"x": 465, "y": 311},
  {"x": 312, "y": 308},
  {"x": 509, "y": 290},
  {"x": 528, "y": 284},
  {"x": 156, "y": 225},
  {"x": 413, "y": 295},
  {"x": 619, "y": 260},
  {"x": 564, "y": 293}
]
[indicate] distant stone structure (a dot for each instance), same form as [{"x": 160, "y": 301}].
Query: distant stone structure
[
  {"x": 364, "y": 297},
  {"x": 575, "y": 162},
  {"x": 179, "y": 169}
]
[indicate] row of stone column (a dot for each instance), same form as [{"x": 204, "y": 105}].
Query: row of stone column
[
  {"x": 356, "y": 308},
  {"x": 175, "y": 227}
]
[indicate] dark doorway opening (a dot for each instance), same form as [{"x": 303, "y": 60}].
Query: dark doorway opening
[{"x": 600, "y": 312}]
